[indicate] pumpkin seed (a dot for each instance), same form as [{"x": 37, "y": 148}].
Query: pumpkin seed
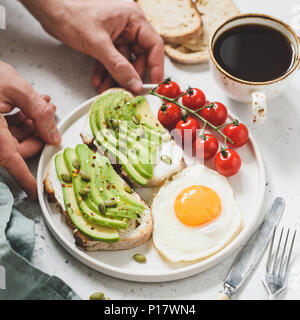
[
  {"x": 135, "y": 119},
  {"x": 76, "y": 163},
  {"x": 101, "y": 207},
  {"x": 83, "y": 192},
  {"x": 128, "y": 189},
  {"x": 140, "y": 258},
  {"x": 110, "y": 203},
  {"x": 115, "y": 124},
  {"x": 85, "y": 176},
  {"x": 66, "y": 177},
  {"x": 166, "y": 159},
  {"x": 97, "y": 296}
]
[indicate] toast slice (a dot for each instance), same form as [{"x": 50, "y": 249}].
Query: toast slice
[
  {"x": 213, "y": 13},
  {"x": 177, "y": 21},
  {"x": 162, "y": 171},
  {"x": 137, "y": 232}
]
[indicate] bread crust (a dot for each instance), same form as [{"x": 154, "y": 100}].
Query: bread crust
[
  {"x": 182, "y": 36},
  {"x": 183, "y": 55},
  {"x": 85, "y": 242}
]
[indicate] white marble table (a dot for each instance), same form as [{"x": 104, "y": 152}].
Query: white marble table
[{"x": 64, "y": 74}]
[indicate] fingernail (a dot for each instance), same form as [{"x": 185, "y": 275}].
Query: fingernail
[
  {"x": 55, "y": 136},
  {"x": 134, "y": 85}
]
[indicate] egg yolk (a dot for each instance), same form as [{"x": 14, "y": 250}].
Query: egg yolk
[{"x": 197, "y": 205}]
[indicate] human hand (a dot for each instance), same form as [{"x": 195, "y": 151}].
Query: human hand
[
  {"x": 22, "y": 134},
  {"x": 110, "y": 31}
]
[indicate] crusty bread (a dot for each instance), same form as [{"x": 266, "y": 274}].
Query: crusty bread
[
  {"x": 184, "y": 55},
  {"x": 177, "y": 21},
  {"x": 158, "y": 179},
  {"x": 213, "y": 13},
  {"x": 138, "y": 231}
]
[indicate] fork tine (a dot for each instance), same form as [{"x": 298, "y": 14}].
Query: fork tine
[
  {"x": 283, "y": 252},
  {"x": 277, "y": 250},
  {"x": 268, "y": 265},
  {"x": 290, "y": 253}
]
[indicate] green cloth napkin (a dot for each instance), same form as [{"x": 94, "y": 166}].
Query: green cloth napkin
[{"x": 22, "y": 279}]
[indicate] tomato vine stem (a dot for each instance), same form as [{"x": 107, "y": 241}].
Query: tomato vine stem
[{"x": 152, "y": 92}]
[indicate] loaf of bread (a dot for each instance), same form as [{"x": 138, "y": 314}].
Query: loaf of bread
[{"x": 185, "y": 41}]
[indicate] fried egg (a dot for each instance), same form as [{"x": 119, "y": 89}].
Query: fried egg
[{"x": 195, "y": 215}]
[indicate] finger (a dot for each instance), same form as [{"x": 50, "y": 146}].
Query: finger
[
  {"x": 108, "y": 83},
  {"x": 148, "y": 39},
  {"x": 118, "y": 66},
  {"x": 137, "y": 49},
  {"x": 140, "y": 64},
  {"x": 124, "y": 50},
  {"x": 12, "y": 161},
  {"x": 18, "y": 169},
  {"x": 30, "y": 147},
  {"x": 98, "y": 74},
  {"x": 46, "y": 97},
  {"x": 15, "y": 119},
  {"x": 25, "y": 130},
  {"x": 5, "y": 107},
  {"x": 37, "y": 109}
]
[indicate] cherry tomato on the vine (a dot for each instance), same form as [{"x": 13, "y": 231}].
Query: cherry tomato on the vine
[
  {"x": 206, "y": 146},
  {"x": 188, "y": 129},
  {"x": 237, "y": 132},
  {"x": 215, "y": 113},
  {"x": 194, "y": 101},
  {"x": 169, "y": 89},
  {"x": 169, "y": 114},
  {"x": 228, "y": 162}
]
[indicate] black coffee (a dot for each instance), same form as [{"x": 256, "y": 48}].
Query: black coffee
[{"x": 254, "y": 52}]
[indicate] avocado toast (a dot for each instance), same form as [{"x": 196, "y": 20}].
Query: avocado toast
[
  {"x": 123, "y": 127},
  {"x": 100, "y": 207}
]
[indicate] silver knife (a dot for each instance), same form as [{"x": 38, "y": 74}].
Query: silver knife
[{"x": 252, "y": 251}]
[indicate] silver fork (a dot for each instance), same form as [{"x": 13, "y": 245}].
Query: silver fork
[{"x": 277, "y": 266}]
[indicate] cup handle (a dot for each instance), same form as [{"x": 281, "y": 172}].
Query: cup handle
[{"x": 259, "y": 107}]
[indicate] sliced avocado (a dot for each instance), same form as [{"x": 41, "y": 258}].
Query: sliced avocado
[
  {"x": 90, "y": 229},
  {"x": 105, "y": 184},
  {"x": 78, "y": 184},
  {"x": 122, "y": 159},
  {"x": 128, "y": 131}
]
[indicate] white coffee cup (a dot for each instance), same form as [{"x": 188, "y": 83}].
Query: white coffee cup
[{"x": 255, "y": 93}]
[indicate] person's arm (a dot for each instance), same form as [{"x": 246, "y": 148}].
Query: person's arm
[
  {"x": 22, "y": 134},
  {"x": 109, "y": 31}
]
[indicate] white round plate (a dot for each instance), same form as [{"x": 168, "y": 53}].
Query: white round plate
[{"x": 248, "y": 184}]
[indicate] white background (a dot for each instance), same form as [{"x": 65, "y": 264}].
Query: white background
[{"x": 55, "y": 69}]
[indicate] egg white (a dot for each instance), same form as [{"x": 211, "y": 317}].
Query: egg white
[{"x": 178, "y": 242}]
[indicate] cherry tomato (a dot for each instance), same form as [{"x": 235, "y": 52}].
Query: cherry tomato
[
  {"x": 169, "y": 89},
  {"x": 238, "y": 133},
  {"x": 228, "y": 162},
  {"x": 206, "y": 147},
  {"x": 216, "y": 114},
  {"x": 169, "y": 114},
  {"x": 195, "y": 100},
  {"x": 187, "y": 130}
]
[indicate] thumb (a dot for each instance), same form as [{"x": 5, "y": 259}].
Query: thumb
[
  {"x": 41, "y": 112},
  {"x": 119, "y": 67}
]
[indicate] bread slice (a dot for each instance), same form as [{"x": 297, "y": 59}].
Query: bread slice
[
  {"x": 177, "y": 21},
  {"x": 162, "y": 171},
  {"x": 213, "y": 13},
  {"x": 138, "y": 231}
]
